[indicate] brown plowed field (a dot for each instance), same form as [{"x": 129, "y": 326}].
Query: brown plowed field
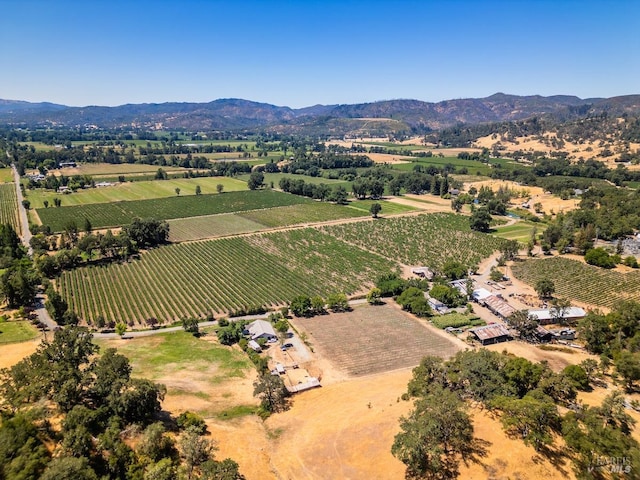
[{"x": 376, "y": 339}]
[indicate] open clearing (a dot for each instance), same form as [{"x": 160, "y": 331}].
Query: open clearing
[
  {"x": 115, "y": 169},
  {"x": 6, "y": 174},
  {"x": 374, "y": 339},
  {"x": 200, "y": 374},
  {"x": 17, "y": 331}
]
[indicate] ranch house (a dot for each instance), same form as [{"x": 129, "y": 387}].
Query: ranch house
[{"x": 262, "y": 329}]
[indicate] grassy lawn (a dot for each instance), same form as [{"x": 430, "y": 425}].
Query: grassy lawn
[
  {"x": 168, "y": 353},
  {"x": 520, "y": 231},
  {"x": 275, "y": 178},
  {"x": 388, "y": 208},
  {"x": 6, "y": 175},
  {"x": 14, "y": 332},
  {"x": 115, "y": 169},
  {"x": 130, "y": 191}
]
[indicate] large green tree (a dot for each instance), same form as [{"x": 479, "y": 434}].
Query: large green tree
[{"x": 435, "y": 437}]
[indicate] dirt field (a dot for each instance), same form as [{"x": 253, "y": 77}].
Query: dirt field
[
  {"x": 557, "y": 359},
  {"x": 376, "y": 339},
  {"x": 14, "y": 352}
]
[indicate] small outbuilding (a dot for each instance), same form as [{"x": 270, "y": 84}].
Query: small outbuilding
[
  {"x": 490, "y": 334},
  {"x": 255, "y": 346},
  {"x": 423, "y": 272}
]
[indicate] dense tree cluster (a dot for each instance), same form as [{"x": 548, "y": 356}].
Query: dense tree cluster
[
  {"x": 438, "y": 433},
  {"x": 98, "y": 402}
]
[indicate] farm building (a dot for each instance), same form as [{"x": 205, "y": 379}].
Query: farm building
[
  {"x": 262, "y": 329},
  {"x": 498, "y": 306},
  {"x": 423, "y": 272},
  {"x": 480, "y": 294},
  {"x": 490, "y": 334},
  {"x": 546, "y": 317},
  {"x": 436, "y": 305},
  {"x": 461, "y": 285},
  {"x": 543, "y": 335},
  {"x": 68, "y": 165},
  {"x": 254, "y": 346},
  {"x": 313, "y": 382}
]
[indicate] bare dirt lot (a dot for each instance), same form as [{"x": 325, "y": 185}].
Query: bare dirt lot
[{"x": 376, "y": 339}]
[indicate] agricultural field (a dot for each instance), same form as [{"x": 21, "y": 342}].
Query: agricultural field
[
  {"x": 130, "y": 191},
  {"x": 9, "y": 205},
  {"x": 376, "y": 339},
  {"x": 520, "y": 231},
  {"x": 456, "y": 320},
  {"x": 388, "y": 208},
  {"x": 6, "y": 174},
  {"x": 211, "y": 226},
  {"x": 114, "y": 169},
  {"x": 221, "y": 276},
  {"x": 15, "y": 332},
  {"x": 276, "y": 177},
  {"x": 579, "y": 281},
  {"x": 429, "y": 239},
  {"x": 120, "y": 213}
]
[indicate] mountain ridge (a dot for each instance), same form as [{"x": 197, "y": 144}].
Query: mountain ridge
[{"x": 237, "y": 113}]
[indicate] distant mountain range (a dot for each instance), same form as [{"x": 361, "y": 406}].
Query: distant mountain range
[{"x": 383, "y": 116}]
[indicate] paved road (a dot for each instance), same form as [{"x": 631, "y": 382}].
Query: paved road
[
  {"x": 24, "y": 220},
  {"x": 43, "y": 314}
]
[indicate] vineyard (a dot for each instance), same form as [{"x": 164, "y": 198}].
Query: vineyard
[
  {"x": 211, "y": 226},
  {"x": 221, "y": 276},
  {"x": 9, "y": 205},
  {"x": 420, "y": 240},
  {"x": 120, "y": 213},
  {"x": 581, "y": 282},
  {"x": 375, "y": 339}
]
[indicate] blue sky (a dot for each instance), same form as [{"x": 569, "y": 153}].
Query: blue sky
[{"x": 307, "y": 52}]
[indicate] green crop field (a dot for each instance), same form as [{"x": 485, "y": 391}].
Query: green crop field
[
  {"x": 428, "y": 239},
  {"x": 120, "y": 213},
  {"x": 212, "y": 226},
  {"x": 276, "y": 177},
  {"x": 6, "y": 174},
  {"x": 388, "y": 208},
  {"x": 221, "y": 275},
  {"x": 130, "y": 191},
  {"x": 9, "y": 205},
  {"x": 581, "y": 282},
  {"x": 520, "y": 231},
  {"x": 14, "y": 332}
]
